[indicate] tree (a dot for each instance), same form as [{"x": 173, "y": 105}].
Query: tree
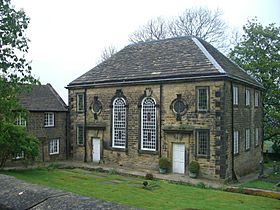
[
  {"x": 200, "y": 22},
  {"x": 154, "y": 29},
  {"x": 258, "y": 52},
  {"x": 107, "y": 53},
  {"x": 15, "y": 71}
]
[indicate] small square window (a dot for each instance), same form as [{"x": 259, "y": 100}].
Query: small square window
[
  {"x": 21, "y": 121},
  {"x": 54, "y": 146},
  {"x": 19, "y": 156},
  {"x": 202, "y": 99},
  {"x": 49, "y": 119}
]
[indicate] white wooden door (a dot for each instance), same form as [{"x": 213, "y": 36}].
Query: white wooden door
[
  {"x": 96, "y": 150},
  {"x": 178, "y": 160}
]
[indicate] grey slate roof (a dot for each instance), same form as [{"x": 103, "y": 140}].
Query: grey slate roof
[
  {"x": 174, "y": 58},
  {"x": 42, "y": 98}
]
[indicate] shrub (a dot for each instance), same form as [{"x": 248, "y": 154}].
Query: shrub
[
  {"x": 149, "y": 176},
  {"x": 164, "y": 163},
  {"x": 194, "y": 167}
]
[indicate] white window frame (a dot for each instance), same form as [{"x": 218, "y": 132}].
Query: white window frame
[
  {"x": 257, "y": 136},
  {"x": 80, "y": 100},
  {"x": 49, "y": 119},
  {"x": 148, "y": 128},
  {"x": 119, "y": 126},
  {"x": 19, "y": 156},
  {"x": 247, "y": 139},
  {"x": 235, "y": 95},
  {"x": 257, "y": 99},
  {"x": 247, "y": 97},
  {"x": 236, "y": 142},
  {"x": 54, "y": 146},
  {"x": 21, "y": 121},
  {"x": 198, "y": 99},
  {"x": 80, "y": 129}
]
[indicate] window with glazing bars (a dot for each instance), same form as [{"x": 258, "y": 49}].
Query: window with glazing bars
[
  {"x": 202, "y": 142},
  {"x": 236, "y": 142},
  {"x": 80, "y": 102},
  {"x": 119, "y": 123},
  {"x": 80, "y": 135},
  {"x": 247, "y": 139},
  {"x": 202, "y": 99},
  {"x": 49, "y": 119},
  {"x": 148, "y": 124},
  {"x": 257, "y": 138}
]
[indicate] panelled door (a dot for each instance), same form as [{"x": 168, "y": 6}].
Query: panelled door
[
  {"x": 178, "y": 159},
  {"x": 96, "y": 150}
]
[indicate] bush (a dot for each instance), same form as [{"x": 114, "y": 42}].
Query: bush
[
  {"x": 164, "y": 163},
  {"x": 149, "y": 176},
  {"x": 194, "y": 167}
]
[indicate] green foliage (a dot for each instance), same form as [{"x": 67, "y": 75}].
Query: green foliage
[
  {"x": 258, "y": 54},
  {"x": 194, "y": 167},
  {"x": 15, "y": 140},
  {"x": 15, "y": 71},
  {"x": 164, "y": 163}
]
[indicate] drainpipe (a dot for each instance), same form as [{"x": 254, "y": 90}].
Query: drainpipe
[
  {"x": 160, "y": 117},
  {"x": 85, "y": 124},
  {"x": 232, "y": 136}
]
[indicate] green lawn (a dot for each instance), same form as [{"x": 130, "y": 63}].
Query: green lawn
[{"x": 128, "y": 190}]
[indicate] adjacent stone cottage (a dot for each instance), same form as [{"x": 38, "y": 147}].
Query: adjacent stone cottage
[
  {"x": 47, "y": 120},
  {"x": 179, "y": 98}
]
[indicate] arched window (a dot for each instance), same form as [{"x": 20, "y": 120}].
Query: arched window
[
  {"x": 119, "y": 123},
  {"x": 148, "y": 124}
]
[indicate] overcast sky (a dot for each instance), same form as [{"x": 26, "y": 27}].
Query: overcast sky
[{"x": 68, "y": 36}]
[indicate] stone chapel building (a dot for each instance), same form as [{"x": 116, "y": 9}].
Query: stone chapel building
[{"x": 180, "y": 98}]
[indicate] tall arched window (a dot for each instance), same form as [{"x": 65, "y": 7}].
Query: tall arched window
[
  {"x": 119, "y": 123},
  {"x": 148, "y": 124}
]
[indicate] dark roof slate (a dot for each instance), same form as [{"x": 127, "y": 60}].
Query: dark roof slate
[
  {"x": 42, "y": 98},
  {"x": 165, "y": 59}
]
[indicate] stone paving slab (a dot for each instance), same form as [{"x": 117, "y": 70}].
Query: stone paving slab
[{"x": 18, "y": 195}]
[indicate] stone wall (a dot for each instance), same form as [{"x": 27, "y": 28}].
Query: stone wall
[
  {"x": 244, "y": 117},
  {"x": 217, "y": 120},
  {"x": 35, "y": 125}
]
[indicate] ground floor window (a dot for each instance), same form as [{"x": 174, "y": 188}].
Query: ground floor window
[
  {"x": 19, "y": 156},
  {"x": 202, "y": 141},
  {"x": 54, "y": 146},
  {"x": 236, "y": 142},
  {"x": 247, "y": 139}
]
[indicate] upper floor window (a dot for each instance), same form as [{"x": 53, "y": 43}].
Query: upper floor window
[
  {"x": 236, "y": 142},
  {"x": 49, "y": 119},
  {"x": 119, "y": 123},
  {"x": 203, "y": 142},
  {"x": 80, "y": 102},
  {"x": 257, "y": 99},
  {"x": 54, "y": 146},
  {"x": 247, "y": 139},
  {"x": 235, "y": 95},
  {"x": 247, "y": 97},
  {"x": 21, "y": 121},
  {"x": 80, "y": 135},
  {"x": 148, "y": 124},
  {"x": 202, "y": 99}
]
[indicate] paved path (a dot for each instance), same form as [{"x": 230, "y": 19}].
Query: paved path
[{"x": 19, "y": 195}]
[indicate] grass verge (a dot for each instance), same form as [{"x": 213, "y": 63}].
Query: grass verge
[{"x": 130, "y": 191}]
